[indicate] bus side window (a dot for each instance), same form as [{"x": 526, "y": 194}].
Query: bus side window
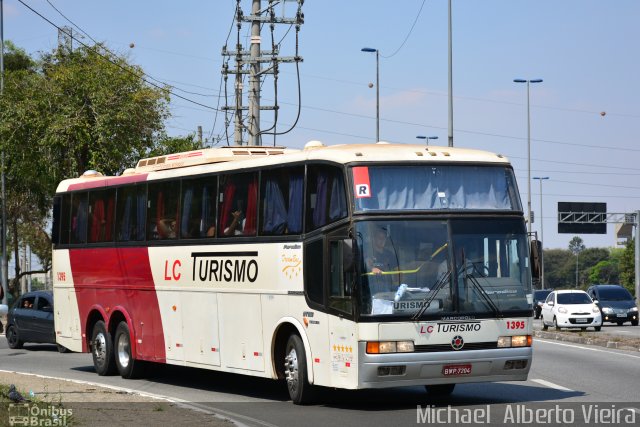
[
  {"x": 314, "y": 271},
  {"x": 198, "y": 217},
  {"x": 326, "y": 198},
  {"x": 340, "y": 275},
  {"x": 282, "y": 201},
  {"x": 130, "y": 217},
  {"x": 101, "y": 209},
  {"x": 163, "y": 216},
  {"x": 65, "y": 219},
  {"x": 238, "y": 205},
  {"x": 79, "y": 213}
]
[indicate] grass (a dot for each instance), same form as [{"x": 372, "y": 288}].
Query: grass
[{"x": 46, "y": 414}]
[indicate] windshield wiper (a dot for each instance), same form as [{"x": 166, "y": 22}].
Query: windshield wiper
[
  {"x": 434, "y": 291},
  {"x": 478, "y": 288}
]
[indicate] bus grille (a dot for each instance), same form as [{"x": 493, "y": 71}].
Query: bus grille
[{"x": 432, "y": 348}]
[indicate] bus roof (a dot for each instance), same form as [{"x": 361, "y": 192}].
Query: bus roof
[{"x": 242, "y": 157}]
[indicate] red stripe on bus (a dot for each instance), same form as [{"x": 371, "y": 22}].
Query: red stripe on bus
[
  {"x": 103, "y": 182},
  {"x": 120, "y": 277}
]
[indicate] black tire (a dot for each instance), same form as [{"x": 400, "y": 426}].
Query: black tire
[
  {"x": 62, "y": 349},
  {"x": 13, "y": 339},
  {"x": 544, "y": 325},
  {"x": 555, "y": 324},
  {"x": 634, "y": 322},
  {"x": 597, "y": 328},
  {"x": 128, "y": 367},
  {"x": 619, "y": 323},
  {"x": 295, "y": 371},
  {"x": 440, "y": 389},
  {"x": 102, "y": 350}
]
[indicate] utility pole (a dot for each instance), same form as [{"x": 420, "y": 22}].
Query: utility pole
[
  {"x": 249, "y": 62},
  {"x": 200, "y": 136}
]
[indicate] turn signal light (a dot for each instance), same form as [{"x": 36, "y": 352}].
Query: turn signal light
[
  {"x": 385, "y": 347},
  {"x": 515, "y": 341}
]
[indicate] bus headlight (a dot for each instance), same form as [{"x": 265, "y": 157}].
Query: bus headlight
[{"x": 385, "y": 347}]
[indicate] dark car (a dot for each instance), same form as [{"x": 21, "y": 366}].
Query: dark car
[
  {"x": 616, "y": 304},
  {"x": 539, "y": 297},
  {"x": 31, "y": 320}
]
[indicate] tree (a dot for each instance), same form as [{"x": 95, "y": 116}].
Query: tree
[
  {"x": 627, "y": 267},
  {"x": 62, "y": 114},
  {"x": 576, "y": 246},
  {"x": 558, "y": 268}
]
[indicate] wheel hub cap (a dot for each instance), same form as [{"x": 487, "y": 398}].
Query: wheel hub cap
[{"x": 291, "y": 369}]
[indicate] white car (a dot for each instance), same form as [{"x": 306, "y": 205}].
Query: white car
[{"x": 570, "y": 309}]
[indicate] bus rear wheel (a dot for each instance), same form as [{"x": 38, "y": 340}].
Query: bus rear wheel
[
  {"x": 128, "y": 367},
  {"x": 295, "y": 371},
  {"x": 102, "y": 350}
]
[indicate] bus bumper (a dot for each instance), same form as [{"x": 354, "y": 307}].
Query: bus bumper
[{"x": 411, "y": 369}]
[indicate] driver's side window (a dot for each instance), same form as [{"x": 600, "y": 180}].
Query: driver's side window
[{"x": 341, "y": 275}]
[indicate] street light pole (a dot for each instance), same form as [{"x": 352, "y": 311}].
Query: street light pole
[
  {"x": 371, "y": 50},
  {"x": 528, "y": 147},
  {"x": 3, "y": 222},
  {"x": 427, "y": 138},
  {"x": 450, "y": 81},
  {"x": 540, "y": 179}
]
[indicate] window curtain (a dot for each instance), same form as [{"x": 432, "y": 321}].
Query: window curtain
[
  {"x": 337, "y": 203},
  {"x": 274, "y": 212},
  {"x": 108, "y": 231},
  {"x": 227, "y": 203},
  {"x": 186, "y": 213},
  {"x": 140, "y": 214},
  {"x": 442, "y": 187},
  {"x": 81, "y": 221},
  {"x": 160, "y": 215},
  {"x": 294, "y": 216},
  {"x": 250, "y": 225},
  {"x": 320, "y": 211},
  {"x": 97, "y": 219},
  {"x": 125, "y": 227},
  {"x": 206, "y": 219}
]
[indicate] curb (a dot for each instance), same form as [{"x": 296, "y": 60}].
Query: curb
[{"x": 605, "y": 341}]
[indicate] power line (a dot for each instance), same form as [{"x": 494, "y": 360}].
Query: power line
[
  {"x": 126, "y": 69},
  {"x": 409, "y": 33}
]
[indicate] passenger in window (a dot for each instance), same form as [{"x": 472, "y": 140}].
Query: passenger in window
[
  {"x": 236, "y": 225},
  {"x": 167, "y": 228}
]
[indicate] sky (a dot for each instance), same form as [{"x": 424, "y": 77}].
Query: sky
[{"x": 584, "y": 50}]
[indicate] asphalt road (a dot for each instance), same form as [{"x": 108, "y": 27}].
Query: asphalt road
[{"x": 561, "y": 373}]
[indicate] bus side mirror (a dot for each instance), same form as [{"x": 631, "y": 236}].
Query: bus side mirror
[{"x": 536, "y": 259}]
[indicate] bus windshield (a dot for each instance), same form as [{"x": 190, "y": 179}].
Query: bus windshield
[
  {"x": 428, "y": 187},
  {"x": 425, "y": 269}
]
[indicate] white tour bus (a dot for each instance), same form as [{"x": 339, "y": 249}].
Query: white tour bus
[{"x": 347, "y": 266}]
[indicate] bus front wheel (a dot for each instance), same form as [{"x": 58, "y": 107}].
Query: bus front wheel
[
  {"x": 102, "y": 350},
  {"x": 128, "y": 367},
  {"x": 295, "y": 370}
]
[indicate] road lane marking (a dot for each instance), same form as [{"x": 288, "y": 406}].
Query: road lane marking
[
  {"x": 551, "y": 385},
  {"x": 586, "y": 348}
]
